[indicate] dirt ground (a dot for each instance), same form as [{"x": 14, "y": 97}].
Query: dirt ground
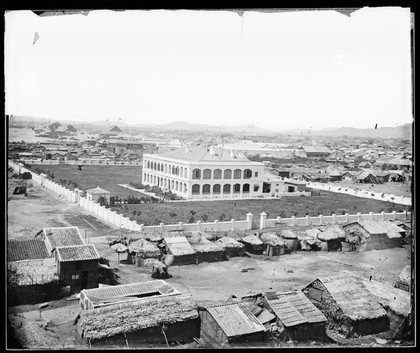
[
  {"x": 207, "y": 282},
  {"x": 397, "y": 189}
]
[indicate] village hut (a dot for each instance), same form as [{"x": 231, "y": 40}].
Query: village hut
[
  {"x": 310, "y": 241},
  {"x": 403, "y": 280},
  {"x": 330, "y": 239},
  {"x": 225, "y": 324},
  {"x": 290, "y": 238},
  {"x": 396, "y": 302},
  {"x": 253, "y": 243},
  {"x": 123, "y": 293},
  {"x": 348, "y": 305},
  {"x": 205, "y": 250},
  {"x": 181, "y": 250},
  {"x": 157, "y": 319},
  {"x": 274, "y": 245},
  {"x": 297, "y": 319},
  {"x": 140, "y": 250},
  {"x": 231, "y": 247}
]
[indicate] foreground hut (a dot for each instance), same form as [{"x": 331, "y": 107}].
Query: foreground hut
[
  {"x": 274, "y": 245},
  {"x": 230, "y": 323},
  {"x": 253, "y": 243},
  {"x": 231, "y": 247},
  {"x": 396, "y": 302},
  {"x": 140, "y": 250},
  {"x": 205, "y": 250},
  {"x": 330, "y": 239},
  {"x": 123, "y": 293},
  {"x": 290, "y": 238},
  {"x": 182, "y": 251},
  {"x": 157, "y": 319},
  {"x": 348, "y": 305},
  {"x": 403, "y": 280},
  {"x": 297, "y": 318}
]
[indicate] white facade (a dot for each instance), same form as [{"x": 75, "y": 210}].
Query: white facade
[{"x": 204, "y": 173}]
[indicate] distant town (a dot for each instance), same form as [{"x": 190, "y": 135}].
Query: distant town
[{"x": 197, "y": 236}]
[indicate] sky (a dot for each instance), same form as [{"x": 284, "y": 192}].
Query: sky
[{"x": 297, "y": 69}]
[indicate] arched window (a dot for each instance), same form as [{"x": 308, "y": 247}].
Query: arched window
[
  {"x": 236, "y": 188},
  {"x": 217, "y": 174},
  {"x": 227, "y": 174},
  {"x": 176, "y": 186},
  {"x": 206, "y": 174},
  {"x": 247, "y": 174},
  {"x": 237, "y": 174},
  {"x": 148, "y": 164},
  {"x": 172, "y": 184},
  {"x": 216, "y": 189},
  {"x": 196, "y": 174},
  {"x": 226, "y": 189},
  {"x": 195, "y": 189},
  {"x": 181, "y": 172},
  {"x": 206, "y": 189},
  {"x": 185, "y": 173},
  {"x": 245, "y": 188},
  {"x": 185, "y": 187},
  {"x": 154, "y": 165}
]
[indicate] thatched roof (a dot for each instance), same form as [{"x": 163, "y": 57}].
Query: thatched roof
[
  {"x": 397, "y": 300},
  {"x": 201, "y": 244},
  {"x": 228, "y": 242},
  {"x": 288, "y": 234},
  {"x": 35, "y": 271},
  {"x": 252, "y": 239},
  {"x": 179, "y": 246},
  {"x": 352, "y": 296},
  {"x": 143, "y": 246},
  {"x": 271, "y": 238},
  {"x": 312, "y": 233},
  {"x": 405, "y": 275},
  {"x": 328, "y": 234},
  {"x": 118, "y": 247},
  {"x": 118, "y": 319}
]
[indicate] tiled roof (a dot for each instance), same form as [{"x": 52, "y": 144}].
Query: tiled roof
[
  {"x": 294, "y": 308},
  {"x": 127, "y": 290},
  {"x": 235, "y": 319},
  {"x": 63, "y": 236},
  {"x": 77, "y": 253},
  {"x": 179, "y": 246},
  {"x": 202, "y": 154},
  {"x": 26, "y": 249}
]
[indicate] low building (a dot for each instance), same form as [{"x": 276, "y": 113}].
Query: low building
[
  {"x": 77, "y": 266},
  {"x": 124, "y": 293},
  {"x": 231, "y": 247},
  {"x": 140, "y": 250},
  {"x": 348, "y": 305},
  {"x": 350, "y": 175},
  {"x": 366, "y": 178},
  {"x": 61, "y": 236},
  {"x": 26, "y": 249},
  {"x": 253, "y": 243},
  {"x": 156, "y": 319},
  {"x": 181, "y": 250},
  {"x": 96, "y": 193},
  {"x": 296, "y": 316},
  {"x": 226, "y": 324},
  {"x": 205, "y": 250}
]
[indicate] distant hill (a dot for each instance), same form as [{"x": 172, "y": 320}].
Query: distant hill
[{"x": 401, "y": 131}]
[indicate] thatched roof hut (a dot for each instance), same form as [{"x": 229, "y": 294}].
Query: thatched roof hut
[
  {"x": 330, "y": 239},
  {"x": 348, "y": 305},
  {"x": 141, "y": 321},
  {"x": 231, "y": 247},
  {"x": 271, "y": 238},
  {"x": 142, "y": 249},
  {"x": 182, "y": 251},
  {"x": 253, "y": 243},
  {"x": 206, "y": 251},
  {"x": 288, "y": 234}
]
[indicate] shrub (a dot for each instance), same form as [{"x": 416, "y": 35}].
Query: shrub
[{"x": 26, "y": 175}]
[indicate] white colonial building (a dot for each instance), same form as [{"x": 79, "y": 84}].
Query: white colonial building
[{"x": 204, "y": 173}]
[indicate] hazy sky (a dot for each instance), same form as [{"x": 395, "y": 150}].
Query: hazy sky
[{"x": 274, "y": 70}]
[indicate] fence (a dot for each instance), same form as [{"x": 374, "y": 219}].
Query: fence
[
  {"x": 87, "y": 161},
  {"x": 118, "y": 220},
  {"x": 402, "y": 200}
]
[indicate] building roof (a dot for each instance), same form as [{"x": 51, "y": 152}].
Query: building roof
[
  {"x": 373, "y": 227},
  {"x": 392, "y": 230},
  {"x": 235, "y": 319},
  {"x": 316, "y": 149},
  {"x": 62, "y": 236},
  {"x": 203, "y": 154},
  {"x": 105, "y": 295},
  {"x": 179, "y": 245},
  {"x": 352, "y": 296},
  {"x": 77, "y": 253},
  {"x": 294, "y": 308},
  {"x": 229, "y": 242},
  {"x": 26, "y": 249},
  {"x": 135, "y": 316},
  {"x": 395, "y": 299},
  {"x": 252, "y": 239},
  {"x": 97, "y": 191},
  {"x": 143, "y": 246},
  {"x": 363, "y": 175},
  {"x": 202, "y": 245}
]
